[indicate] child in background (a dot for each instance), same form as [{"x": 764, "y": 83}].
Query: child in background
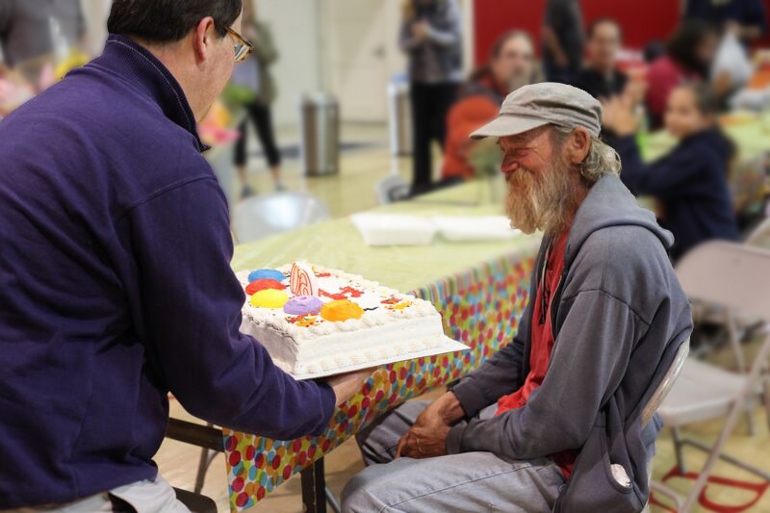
[{"x": 690, "y": 183}]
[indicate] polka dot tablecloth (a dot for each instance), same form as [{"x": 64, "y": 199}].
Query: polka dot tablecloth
[{"x": 480, "y": 307}]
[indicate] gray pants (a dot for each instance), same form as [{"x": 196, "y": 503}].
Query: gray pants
[
  {"x": 468, "y": 482},
  {"x": 155, "y": 496}
]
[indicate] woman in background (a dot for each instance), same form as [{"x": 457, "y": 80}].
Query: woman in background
[
  {"x": 431, "y": 37},
  {"x": 511, "y": 65},
  {"x": 688, "y": 58},
  {"x": 690, "y": 183},
  {"x": 256, "y": 90}
]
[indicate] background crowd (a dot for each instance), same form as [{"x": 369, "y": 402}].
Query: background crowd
[{"x": 682, "y": 85}]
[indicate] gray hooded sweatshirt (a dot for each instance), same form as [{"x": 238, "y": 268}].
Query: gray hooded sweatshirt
[{"x": 619, "y": 317}]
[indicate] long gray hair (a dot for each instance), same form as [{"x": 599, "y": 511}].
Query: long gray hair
[{"x": 601, "y": 160}]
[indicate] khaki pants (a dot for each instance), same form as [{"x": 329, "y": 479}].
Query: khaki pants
[{"x": 142, "y": 497}]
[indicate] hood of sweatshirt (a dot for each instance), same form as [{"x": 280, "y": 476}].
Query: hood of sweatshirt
[{"x": 609, "y": 203}]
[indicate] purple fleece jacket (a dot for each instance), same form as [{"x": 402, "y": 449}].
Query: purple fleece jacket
[{"x": 116, "y": 288}]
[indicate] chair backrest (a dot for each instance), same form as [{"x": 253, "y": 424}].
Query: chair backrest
[
  {"x": 391, "y": 189},
  {"x": 732, "y": 275},
  {"x": 760, "y": 237},
  {"x": 667, "y": 383},
  {"x": 260, "y": 216}
]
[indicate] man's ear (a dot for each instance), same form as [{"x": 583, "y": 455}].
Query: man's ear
[
  {"x": 202, "y": 38},
  {"x": 579, "y": 144}
]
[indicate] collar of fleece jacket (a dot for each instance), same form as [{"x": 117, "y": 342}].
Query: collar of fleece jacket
[{"x": 142, "y": 69}]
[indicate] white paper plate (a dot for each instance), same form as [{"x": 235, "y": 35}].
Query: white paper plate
[
  {"x": 469, "y": 229},
  {"x": 449, "y": 346},
  {"x": 394, "y": 230}
]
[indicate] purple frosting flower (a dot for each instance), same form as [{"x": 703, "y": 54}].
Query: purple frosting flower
[{"x": 303, "y": 305}]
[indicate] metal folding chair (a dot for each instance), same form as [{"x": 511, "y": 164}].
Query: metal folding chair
[
  {"x": 760, "y": 236},
  {"x": 737, "y": 277},
  {"x": 260, "y": 216},
  {"x": 665, "y": 386},
  {"x": 672, "y": 374},
  {"x": 391, "y": 189}
]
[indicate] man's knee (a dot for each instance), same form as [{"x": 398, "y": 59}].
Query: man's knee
[{"x": 361, "y": 493}]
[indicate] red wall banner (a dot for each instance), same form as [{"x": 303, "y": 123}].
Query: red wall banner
[{"x": 641, "y": 21}]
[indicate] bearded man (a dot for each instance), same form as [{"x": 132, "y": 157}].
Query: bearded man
[{"x": 553, "y": 420}]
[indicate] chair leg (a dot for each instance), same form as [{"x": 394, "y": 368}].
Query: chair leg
[
  {"x": 740, "y": 361},
  {"x": 200, "y": 477},
  {"x": 678, "y": 449},
  {"x": 331, "y": 499},
  {"x": 750, "y": 423},
  {"x": 204, "y": 462},
  {"x": 667, "y": 492},
  {"x": 730, "y": 459},
  {"x": 727, "y": 430},
  {"x": 767, "y": 400}
]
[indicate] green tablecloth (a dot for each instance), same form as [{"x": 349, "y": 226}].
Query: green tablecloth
[
  {"x": 751, "y": 139},
  {"x": 338, "y": 245}
]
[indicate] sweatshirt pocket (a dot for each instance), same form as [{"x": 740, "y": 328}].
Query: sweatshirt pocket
[{"x": 593, "y": 486}]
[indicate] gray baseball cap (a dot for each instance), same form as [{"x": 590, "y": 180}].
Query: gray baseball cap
[{"x": 549, "y": 103}]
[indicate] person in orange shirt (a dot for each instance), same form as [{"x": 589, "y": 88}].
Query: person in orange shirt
[{"x": 511, "y": 65}]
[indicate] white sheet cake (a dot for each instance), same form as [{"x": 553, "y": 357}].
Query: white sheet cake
[{"x": 314, "y": 320}]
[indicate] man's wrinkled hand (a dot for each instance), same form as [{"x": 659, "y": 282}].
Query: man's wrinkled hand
[
  {"x": 427, "y": 437},
  {"x": 424, "y": 441}
]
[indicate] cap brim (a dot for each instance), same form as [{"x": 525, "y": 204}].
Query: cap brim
[{"x": 506, "y": 125}]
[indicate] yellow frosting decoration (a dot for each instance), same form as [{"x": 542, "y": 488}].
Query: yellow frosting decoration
[
  {"x": 269, "y": 298},
  {"x": 341, "y": 311},
  {"x": 306, "y": 322},
  {"x": 400, "y": 306}
]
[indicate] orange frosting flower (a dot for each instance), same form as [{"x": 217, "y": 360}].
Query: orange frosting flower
[{"x": 341, "y": 311}]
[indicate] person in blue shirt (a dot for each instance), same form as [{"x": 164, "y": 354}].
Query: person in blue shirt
[
  {"x": 746, "y": 18},
  {"x": 690, "y": 183},
  {"x": 115, "y": 278}
]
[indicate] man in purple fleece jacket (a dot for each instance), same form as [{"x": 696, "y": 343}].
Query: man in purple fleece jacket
[{"x": 115, "y": 278}]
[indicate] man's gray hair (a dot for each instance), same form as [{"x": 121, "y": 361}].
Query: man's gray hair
[{"x": 601, "y": 160}]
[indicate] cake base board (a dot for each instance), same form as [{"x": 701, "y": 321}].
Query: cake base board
[{"x": 448, "y": 346}]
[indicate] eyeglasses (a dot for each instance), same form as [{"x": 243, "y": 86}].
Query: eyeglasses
[{"x": 242, "y": 48}]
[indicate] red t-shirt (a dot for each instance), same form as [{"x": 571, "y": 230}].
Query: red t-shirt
[{"x": 542, "y": 344}]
